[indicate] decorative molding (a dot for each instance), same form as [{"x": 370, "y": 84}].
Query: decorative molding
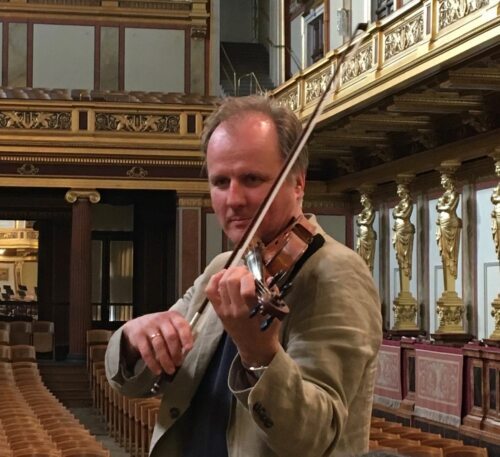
[
  {"x": 28, "y": 169},
  {"x": 144, "y": 123},
  {"x": 137, "y": 172},
  {"x": 290, "y": 98},
  {"x": 450, "y": 11},
  {"x": 73, "y": 195},
  {"x": 103, "y": 161},
  {"x": 358, "y": 64},
  {"x": 405, "y": 36},
  {"x": 31, "y": 120},
  {"x": 199, "y": 32},
  {"x": 316, "y": 85},
  {"x": 194, "y": 202}
]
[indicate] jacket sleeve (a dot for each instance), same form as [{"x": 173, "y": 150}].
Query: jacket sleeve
[{"x": 330, "y": 341}]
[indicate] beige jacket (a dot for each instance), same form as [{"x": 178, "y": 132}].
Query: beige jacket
[{"x": 315, "y": 397}]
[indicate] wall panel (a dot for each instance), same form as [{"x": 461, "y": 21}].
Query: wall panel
[
  {"x": 154, "y": 60},
  {"x": 63, "y": 56}
]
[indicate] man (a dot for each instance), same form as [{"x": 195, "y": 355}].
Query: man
[{"x": 304, "y": 386}]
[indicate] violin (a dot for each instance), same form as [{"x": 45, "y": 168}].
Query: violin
[
  {"x": 273, "y": 265},
  {"x": 269, "y": 296}
]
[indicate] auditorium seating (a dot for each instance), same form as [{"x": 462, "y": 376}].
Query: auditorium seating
[
  {"x": 32, "y": 421},
  {"x": 43, "y": 337},
  {"x": 412, "y": 442}
]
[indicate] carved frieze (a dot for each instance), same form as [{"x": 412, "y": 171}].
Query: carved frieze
[
  {"x": 358, "y": 64},
  {"x": 450, "y": 11},
  {"x": 290, "y": 99},
  {"x": 41, "y": 120},
  {"x": 143, "y": 123},
  {"x": 199, "y": 32},
  {"x": 405, "y": 36},
  {"x": 137, "y": 172},
  {"x": 28, "y": 169},
  {"x": 316, "y": 85}
]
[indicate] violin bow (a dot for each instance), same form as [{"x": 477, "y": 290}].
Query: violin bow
[{"x": 251, "y": 230}]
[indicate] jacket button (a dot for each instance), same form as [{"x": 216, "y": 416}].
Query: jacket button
[{"x": 174, "y": 413}]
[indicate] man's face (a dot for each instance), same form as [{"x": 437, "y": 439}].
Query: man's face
[{"x": 243, "y": 160}]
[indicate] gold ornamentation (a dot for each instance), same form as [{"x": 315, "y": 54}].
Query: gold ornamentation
[
  {"x": 403, "y": 229},
  {"x": 88, "y": 194},
  {"x": 495, "y": 214},
  {"x": 495, "y": 313},
  {"x": 199, "y": 32},
  {"x": 137, "y": 172},
  {"x": 144, "y": 123},
  {"x": 290, "y": 99},
  {"x": 42, "y": 120},
  {"x": 103, "y": 161},
  {"x": 28, "y": 169},
  {"x": 450, "y": 310},
  {"x": 449, "y": 224},
  {"x": 403, "y": 37},
  {"x": 358, "y": 64},
  {"x": 365, "y": 245},
  {"x": 405, "y": 316},
  {"x": 316, "y": 85},
  {"x": 450, "y": 11}
]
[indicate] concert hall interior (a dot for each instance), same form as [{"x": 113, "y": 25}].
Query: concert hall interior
[{"x": 106, "y": 213}]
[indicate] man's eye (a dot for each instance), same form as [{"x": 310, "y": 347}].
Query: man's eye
[
  {"x": 253, "y": 180},
  {"x": 220, "y": 182}
]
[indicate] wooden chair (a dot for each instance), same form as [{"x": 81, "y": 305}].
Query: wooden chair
[
  {"x": 396, "y": 443},
  {"x": 96, "y": 336},
  {"x": 22, "y": 353},
  {"x": 465, "y": 451},
  {"x": 20, "y": 333},
  {"x": 4, "y": 353},
  {"x": 43, "y": 337},
  {"x": 421, "y": 451},
  {"x": 4, "y": 336},
  {"x": 442, "y": 442},
  {"x": 377, "y": 436},
  {"x": 401, "y": 430},
  {"x": 421, "y": 436}
]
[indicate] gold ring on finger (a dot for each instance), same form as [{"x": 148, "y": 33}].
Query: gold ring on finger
[{"x": 154, "y": 335}]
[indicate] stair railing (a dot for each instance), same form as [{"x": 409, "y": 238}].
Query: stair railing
[
  {"x": 228, "y": 71},
  {"x": 253, "y": 80}
]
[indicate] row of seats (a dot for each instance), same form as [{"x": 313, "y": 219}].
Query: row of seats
[
  {"x": 32, "y": 421},
  {"x": 130, "y": 421},
  {"x": 40, "y": 334},
  {"x": 412, "y": 442}
]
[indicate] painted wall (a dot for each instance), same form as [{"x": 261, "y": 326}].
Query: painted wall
[
  {"x": 236, "y": 21},
  {"x": 63, "y": 56},
  {"x": 154, "y": 60},
  {"x": 488, "y": 268}
]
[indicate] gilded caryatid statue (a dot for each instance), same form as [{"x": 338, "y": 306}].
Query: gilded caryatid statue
[
  {"x": 449, "y": 224},
  {"x": 495, "y": 231},
  {"x": 450, "y": 306},
  {"x": 367, "y": 236},
  {"x": 495, "y": 214},
  {"x": 405, "y": 305}
]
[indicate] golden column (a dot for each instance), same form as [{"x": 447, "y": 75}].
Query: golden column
[
  {"x": 405, "y": 305},
  {"x": 365, "y": 245},
  {"x": 450, "y": 306},
  {"x": 495, "y": 231},
  {"x": 80, "y": 308}
]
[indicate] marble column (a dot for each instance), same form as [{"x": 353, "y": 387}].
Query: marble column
[{"x": 80, "y": 307}]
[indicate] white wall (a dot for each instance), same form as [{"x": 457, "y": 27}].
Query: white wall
[
  {"x": 334, "y": 226},
  {"x": 236, "y": 21},
  {"x": 154, "y": 60},
  {"x": 488, "y": 269},
  {"x": 436, "y": 280},
  {"x": 297, "y": 44},
  {"x": 63, "y": 56}
]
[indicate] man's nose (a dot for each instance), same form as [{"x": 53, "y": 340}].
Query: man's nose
[{"x": 235, "y": 194}]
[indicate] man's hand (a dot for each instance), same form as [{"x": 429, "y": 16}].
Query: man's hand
[
  {"x": 232, "y": 294},
  {"x": 161, "y": 339}
]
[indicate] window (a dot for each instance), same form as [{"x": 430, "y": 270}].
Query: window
[{"x": 315, "y": 40}]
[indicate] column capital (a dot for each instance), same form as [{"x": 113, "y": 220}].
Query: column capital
[
  {"x": 404, "y": 178},
  {"x": 449, "y": 167},
  {"x": 73, "y": 195}
]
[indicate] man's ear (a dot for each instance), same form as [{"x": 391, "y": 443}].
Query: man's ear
[{"x": 300, "y": 183}]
